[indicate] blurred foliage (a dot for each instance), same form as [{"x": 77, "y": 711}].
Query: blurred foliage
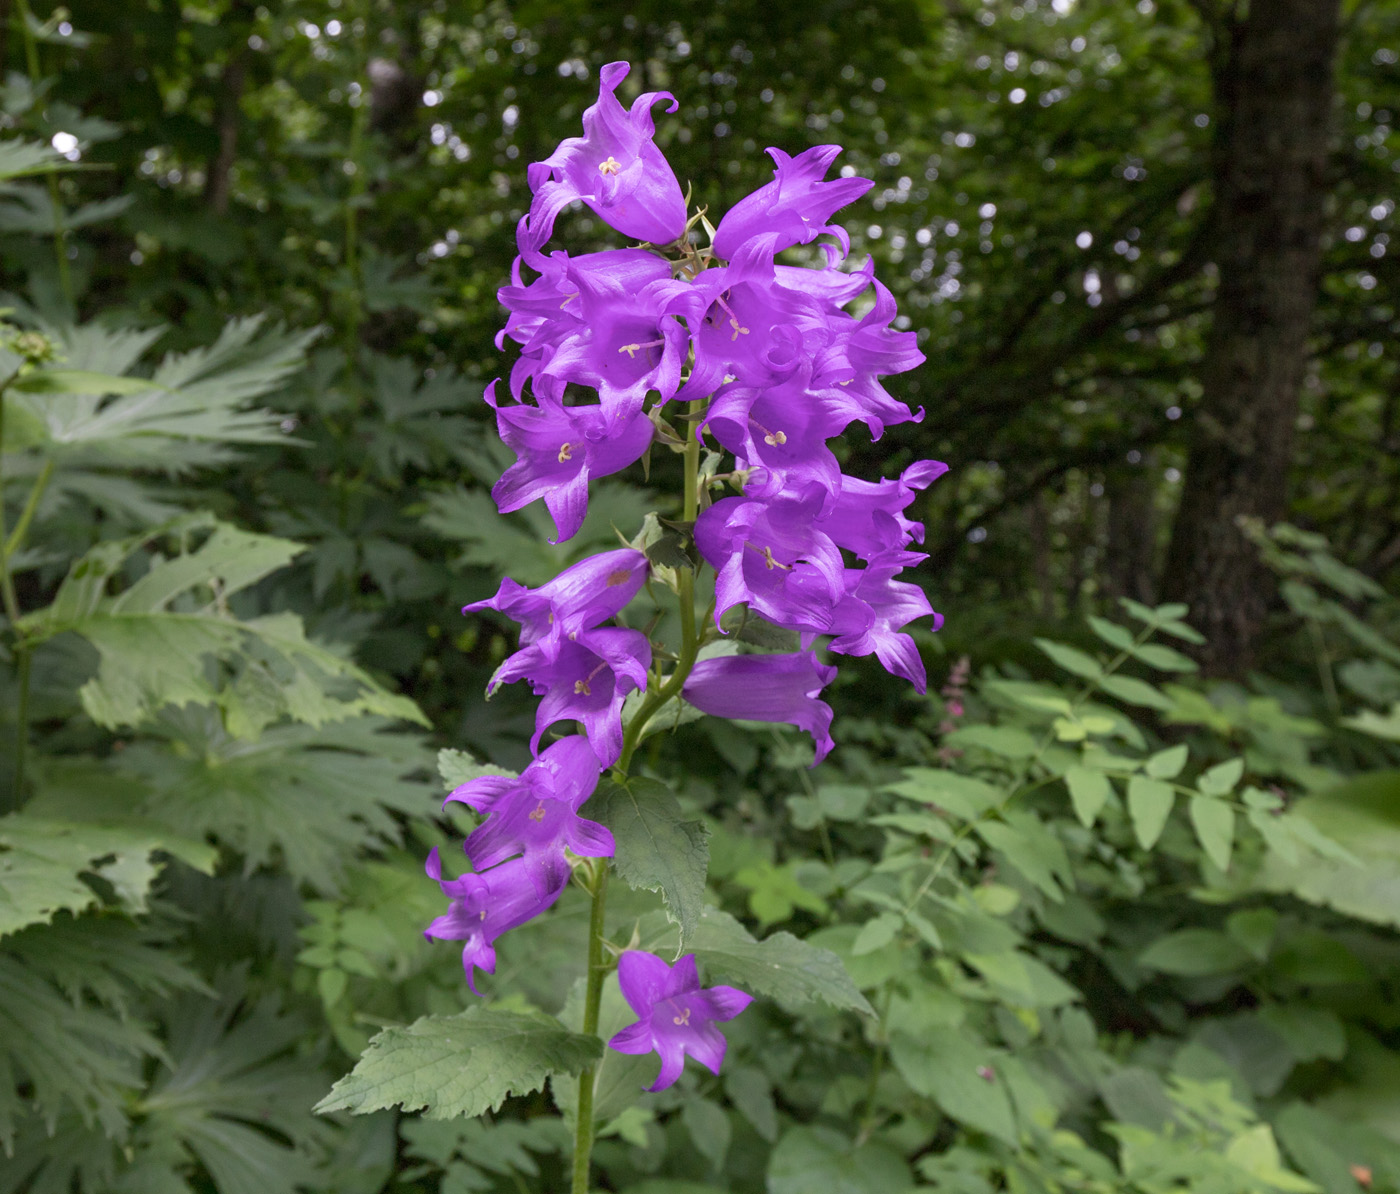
[{"x": 1121, "y": 929}]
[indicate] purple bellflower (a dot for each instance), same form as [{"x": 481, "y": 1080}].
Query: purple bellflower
[
  {"x": 559, "y": 449},
  {"x": 586, "y": 679},
  {"x": 793, "y": 209},
  {"x": 580, "y": 598},
  {"x": 868, "y": 516},
  {"x": 770, "y": 555},
  {"x": 483, "y": 907},
  {"x": 766, "y": 688},
  {"x": 536, "y": 816},
  {"x": 877, "y": 609},
  {"x": 677, "y": 1015},
  {"x": 615, "y": 168}
]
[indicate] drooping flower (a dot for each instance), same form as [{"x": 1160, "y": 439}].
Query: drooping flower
[
  {"x": 677, "y": 1015},
  {"x": 559, "y": 449},
  {"x": 773, "y": 688},
  {"x": 875, "y": 612},
  {"x": 584, "y": 679},
  {"x": 615, "y": 168},
  {"x": 771, "y": 555},
  {"x": 581, "y": 597},
  {"x": 483, "y": 907},
  {"x": 535, "y": 815},
  {"x": 793, "y": 209}
]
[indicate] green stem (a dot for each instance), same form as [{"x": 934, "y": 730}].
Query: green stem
[
  {"x": 16, "y": 539},
  {"x": 597, "y": 971},
  {"x": 60, "y": 231}
]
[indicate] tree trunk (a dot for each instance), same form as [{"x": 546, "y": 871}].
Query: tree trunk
[{"x": 1274, "y": 99}]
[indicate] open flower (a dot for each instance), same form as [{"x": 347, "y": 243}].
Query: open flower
[
  {"x": 872, "y": 618},
  {"x": 615, "y": 168},
  {"x": 677, "y": 1015},
  {"x": 558, "y": 449},
  {"x": 485, "y": 906},
  {"x": 535, "y": 815}
]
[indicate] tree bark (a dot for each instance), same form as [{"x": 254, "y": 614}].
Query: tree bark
[{"x": 1274, "y": 95}]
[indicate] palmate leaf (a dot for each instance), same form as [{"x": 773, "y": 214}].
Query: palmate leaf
[
  {"x": 153, "y": 639},
  {"x": 42, "y": 863},
  {"x": 64, "y": 1031},
  {"x": 20, "y": 159},
  {"x": 460, "y": 1065},
  {"x": 192, "y": 410}
]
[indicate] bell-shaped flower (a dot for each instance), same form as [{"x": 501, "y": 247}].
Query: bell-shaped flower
[
  {"x": 483, "y": 907},
  {"x": 583, "y": 679},
  {"x": 773, "y": 688},
  {"x": 581, "y": 597},
  {"x": 877, "y": 609},
  {"x": 535, "y": 815},
  {"x": 677, "y": 1015},
  {"x": 559, "y": 449},
  {"x": 868, "y": 517},
  {"x": 771, "y": 555},
  {"x": 795, "y": 208},
  {"x": 619, "y": 338},
  {"x": 615, "y": 168}
]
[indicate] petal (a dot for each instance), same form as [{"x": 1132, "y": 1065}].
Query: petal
[
  {"x": 724, "y": 1003},
  {"x": 708, "y": 1047},
  {"x": 672, "y": 1063},
  {"x": 642, "y": 977},
  {"x": 635, "y": 1038}
]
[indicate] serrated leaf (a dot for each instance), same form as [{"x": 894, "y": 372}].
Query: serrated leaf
[
  {"x": 457, "y": 767},
  {"x": 1149, "y": 805},
  {"x": 467, "y": 1064},
  {"x": 1136, "y": 692},
  {"x": 41, "y": 862},
  {"x": 1089, "y": 791},
  {"x": 1071, "y": 659},
  {"x": 1166, "y": 764},
  {"x": 77, "y": 381},
  {"x": 1221, "y": 779},
  {"x": 781, "y": 967},
  {"x": 1214, "y": 822},
  {"x": 658, "y": 849}
]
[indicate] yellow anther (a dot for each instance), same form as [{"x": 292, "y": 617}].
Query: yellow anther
[
  {"x": 774, "y": 439},
  {"x": 631, "y": 350},
  {"x": 683, "y": 1018},
  {"x": 738, "y": 331},
  {"x": 566, "y": 452},
  {"x": 538, "y": 814},
  {"x": 609, "y": 165},
  {"x": 581, "y": 688}
]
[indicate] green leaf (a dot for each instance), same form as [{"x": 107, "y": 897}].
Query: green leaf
[
  {"x": 154, "y": 638},
  {"x": 1136, "y": 692},
  {"x": 1031, "y": 848},
  {"x": 1385, "y": 726},
  {"x": 1194, "y": 953},
  {"x": 1118, "y": 637},
  {"x": 1071, "y": 659},
  {"x": 1089, "y": 791},
  {"x": 1149, "y": 805},
  {"x": 709, "y": 1130},
  {"x": 1214, "y": 822},
  {"x": 877, "y": 933},
  {"x": 1166, "y": 764},
  {"x": 457, "y": 767},
  {"x": 1221, "y": 779},
  {"x": 1164, "y": 659},
  {"x": 657, "y": 848},
  {"x": 41, "y": 862},
  {"x": 781, "y": 967},
  {"x": 959, "y": 795},
  {"x": 77, "y": 381},
  {"x": 21, "y": 159},
  {"x": 1009, "y": 742},
  {"x": 958, "y": 1071},
  {"x": 465, "y": 1064},
  {"x": 751, "y": 1092},
  {"x": 808, "y": 1159}
]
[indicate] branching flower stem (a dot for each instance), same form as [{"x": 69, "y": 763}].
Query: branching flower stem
[{"x": 598, "y": 963}]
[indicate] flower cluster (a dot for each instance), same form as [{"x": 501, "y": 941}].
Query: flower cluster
[{"x": 766, "y": 361}]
